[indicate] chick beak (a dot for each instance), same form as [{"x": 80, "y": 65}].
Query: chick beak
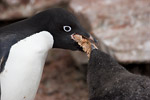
[{"x": 92, "y": 38}]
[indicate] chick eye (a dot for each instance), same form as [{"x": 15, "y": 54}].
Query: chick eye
[{"x": 67, "y": 28}]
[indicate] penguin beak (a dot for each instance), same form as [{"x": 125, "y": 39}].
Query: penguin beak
[
  {"x": 92, "y": 38},
  {"x": 88, "y": 36}
]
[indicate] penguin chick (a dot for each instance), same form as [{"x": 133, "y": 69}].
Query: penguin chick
[{"x": 107, "y": 80}]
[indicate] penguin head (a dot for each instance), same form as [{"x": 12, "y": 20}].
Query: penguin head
[{"x": 62, "y": 25}]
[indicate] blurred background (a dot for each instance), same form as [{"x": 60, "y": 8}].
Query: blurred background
[{"x": 122, "y": 28}]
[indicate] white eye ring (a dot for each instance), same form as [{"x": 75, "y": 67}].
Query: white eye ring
[{"x": 67, "y": 28}]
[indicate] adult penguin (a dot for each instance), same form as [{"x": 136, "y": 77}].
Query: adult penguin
[{"x": 24, "y": 46}]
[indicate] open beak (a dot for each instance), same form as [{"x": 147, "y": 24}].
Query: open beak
[
  {"x": 80, "y": 39},
  {"x": 87, "y": 43},
  {"x": 89, "y": 37}
]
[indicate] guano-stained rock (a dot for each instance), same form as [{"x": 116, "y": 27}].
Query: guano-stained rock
[{"x": 121, "y": 26}]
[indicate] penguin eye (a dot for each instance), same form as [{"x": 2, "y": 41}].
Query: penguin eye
[{"x": 67, "y": 28}]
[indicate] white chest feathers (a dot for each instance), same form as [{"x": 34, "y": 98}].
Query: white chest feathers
[{"x": 21, "y": 76}]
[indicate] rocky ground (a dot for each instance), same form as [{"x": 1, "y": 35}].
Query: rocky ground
[
  {"x": 62, "y": 80},
  {"x": 121, "y": 26}
]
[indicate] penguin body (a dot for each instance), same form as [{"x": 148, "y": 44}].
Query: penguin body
[
  {"x": 108, "y": 80},
  {"x": 24, "y": 46}
]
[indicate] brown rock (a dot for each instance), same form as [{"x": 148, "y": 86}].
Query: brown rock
[
  {"x": 122, "y": 26},
  {"x": 61, "y": 80}
]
